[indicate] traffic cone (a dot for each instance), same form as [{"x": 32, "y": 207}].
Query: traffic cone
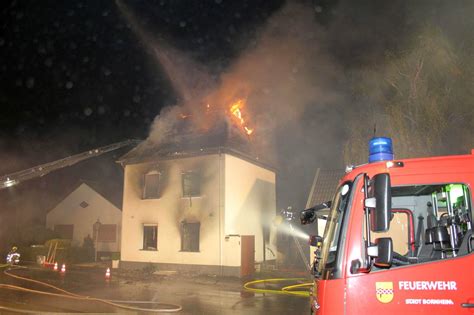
[
  {"x": 55, "y": 268},
  {"x": 63, "y": 268},
  {"x": 107, "y": 274}
]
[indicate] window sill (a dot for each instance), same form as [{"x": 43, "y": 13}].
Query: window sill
[
  {"x": 148, "y": 250},
  {"x": 192, "y": 197}
]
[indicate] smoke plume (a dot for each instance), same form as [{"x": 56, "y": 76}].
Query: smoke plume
[
  {"x": 308, "y": 80},
  {"x": 291, "y": 88}
]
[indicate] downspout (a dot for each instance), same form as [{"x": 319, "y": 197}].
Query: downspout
[{"x": 221, "y": 191}]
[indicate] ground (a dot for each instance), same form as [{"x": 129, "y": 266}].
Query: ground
[{"x": 196, "y": 294}]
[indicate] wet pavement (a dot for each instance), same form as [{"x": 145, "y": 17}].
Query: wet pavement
[{"x": 195, "y": 294}]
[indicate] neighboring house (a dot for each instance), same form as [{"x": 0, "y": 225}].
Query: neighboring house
[
  {"x": 196, "y": 207},
  {"x": 74, "y": 218},
  {"x": 324, "y": 187}
]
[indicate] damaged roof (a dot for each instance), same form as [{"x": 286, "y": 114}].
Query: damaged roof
[{"x": 222, "y": 136}]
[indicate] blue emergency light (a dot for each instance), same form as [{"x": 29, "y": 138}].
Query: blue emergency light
[{"x": 380, "y": 149}]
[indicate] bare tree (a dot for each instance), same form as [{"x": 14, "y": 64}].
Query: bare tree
[{"x": 422, "y": 98}]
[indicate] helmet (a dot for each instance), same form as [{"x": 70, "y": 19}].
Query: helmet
[{"x": 14, "y": 248}]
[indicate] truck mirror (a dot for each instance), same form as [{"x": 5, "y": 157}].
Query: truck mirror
[
  {"x": 384, "y": 252},
  {"x": 381, "y": 214}
]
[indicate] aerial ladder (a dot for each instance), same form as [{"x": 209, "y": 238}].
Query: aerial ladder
[{"x": 15, "y": 178}]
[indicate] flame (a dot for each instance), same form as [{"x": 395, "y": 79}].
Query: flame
[{"x": 235, "y": 109}]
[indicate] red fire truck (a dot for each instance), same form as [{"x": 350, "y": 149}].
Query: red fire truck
[{"x": 398, "y": 239}]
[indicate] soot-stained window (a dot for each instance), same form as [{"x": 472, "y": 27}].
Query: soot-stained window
[
  {"x": 191, "y": 182},
  {"x": 151, "y": 189},
  {"x": 150, "y": 237},
  {"x": 190, "y": 236}
]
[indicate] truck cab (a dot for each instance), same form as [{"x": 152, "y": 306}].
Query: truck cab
[{"x": 398, "y": 239}]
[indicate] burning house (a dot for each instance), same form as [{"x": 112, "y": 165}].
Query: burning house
[{"x": 201, "y": 200}]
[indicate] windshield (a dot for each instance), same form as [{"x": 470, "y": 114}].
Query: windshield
[{"x": 333, "y": 227}]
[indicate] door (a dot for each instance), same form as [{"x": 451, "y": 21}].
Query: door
[
  {"x": 439, "y": 287},
  {"x": 247, "y": 255},
  {"x": 439, "y": 280}
]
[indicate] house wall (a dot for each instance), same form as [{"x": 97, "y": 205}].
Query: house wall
[
  {"x": 69, "y": 211},
  {"x": 250, "y": 205},
  {"x": 170, "y": 210},
  {"x": 237, "y": 198}
]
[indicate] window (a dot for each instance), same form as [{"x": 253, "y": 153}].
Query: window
[
  {"x": 401, "y": 231},
  {"x": 107, "y": 233},
  {"x": 64, "y": 231},
  {"x": 190, "y": 237},
  {"x": 152, "y": 185},
  {"x": 150, "y": 237},
  {"x": 191, "y": 182},
  {"x": 429, "y": 223},
  {"x": 84, "y": 204},
  {"x": 332, "y": 233}
]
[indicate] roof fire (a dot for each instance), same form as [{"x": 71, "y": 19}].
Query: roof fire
[
  {"x": 236, "y": 110},
  {"x": 191, "y": 134}
]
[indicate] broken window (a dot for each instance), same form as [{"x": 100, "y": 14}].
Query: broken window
[
  {"x": 152, "y": 185},
  {"x": 107, "y": 233},
  {"x": 191, "y": 184},
  {"x": 190, "y": 237},
  {"x": 150, "y": 237}
]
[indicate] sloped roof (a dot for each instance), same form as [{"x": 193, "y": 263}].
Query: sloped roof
[
  {"x": 324, "y": 185},
  {"x": 113, "y": 195},
  {"x": 114, "y": 198}
]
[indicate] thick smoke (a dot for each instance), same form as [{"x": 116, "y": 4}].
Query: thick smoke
[
  {"x": 306, "y": 79},
  {"x": 287, "y": 81},
  {"x": 283, "y": 77},
  {"x": 190, "y": 80}
]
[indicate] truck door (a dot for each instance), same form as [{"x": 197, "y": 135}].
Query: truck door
[
  {"x": 436, "y": 279},
  {"x": 443, "y": 287}
]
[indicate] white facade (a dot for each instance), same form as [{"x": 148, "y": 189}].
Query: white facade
[
  {"x": 236, "y": 197},
  {"x": 81, "y": 209}
]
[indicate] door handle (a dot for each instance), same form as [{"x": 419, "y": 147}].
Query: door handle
[
  {"x": 469, "y": 244},
  {"x": 468, "y": 305}
]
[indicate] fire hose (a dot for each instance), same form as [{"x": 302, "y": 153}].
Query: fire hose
[
  {"x": 288, "y": 290},
  {"x": 169, "y": 308}
]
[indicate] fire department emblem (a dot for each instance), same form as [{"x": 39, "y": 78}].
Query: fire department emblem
[{"x": 384, "y": 291}]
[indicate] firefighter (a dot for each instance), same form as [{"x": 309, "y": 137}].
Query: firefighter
[
  {"x": 13, "y": 256},
  {"x": 13, "y": 250}
]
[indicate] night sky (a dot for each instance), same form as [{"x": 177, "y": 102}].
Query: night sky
[{"x": 75, "y": 76}]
